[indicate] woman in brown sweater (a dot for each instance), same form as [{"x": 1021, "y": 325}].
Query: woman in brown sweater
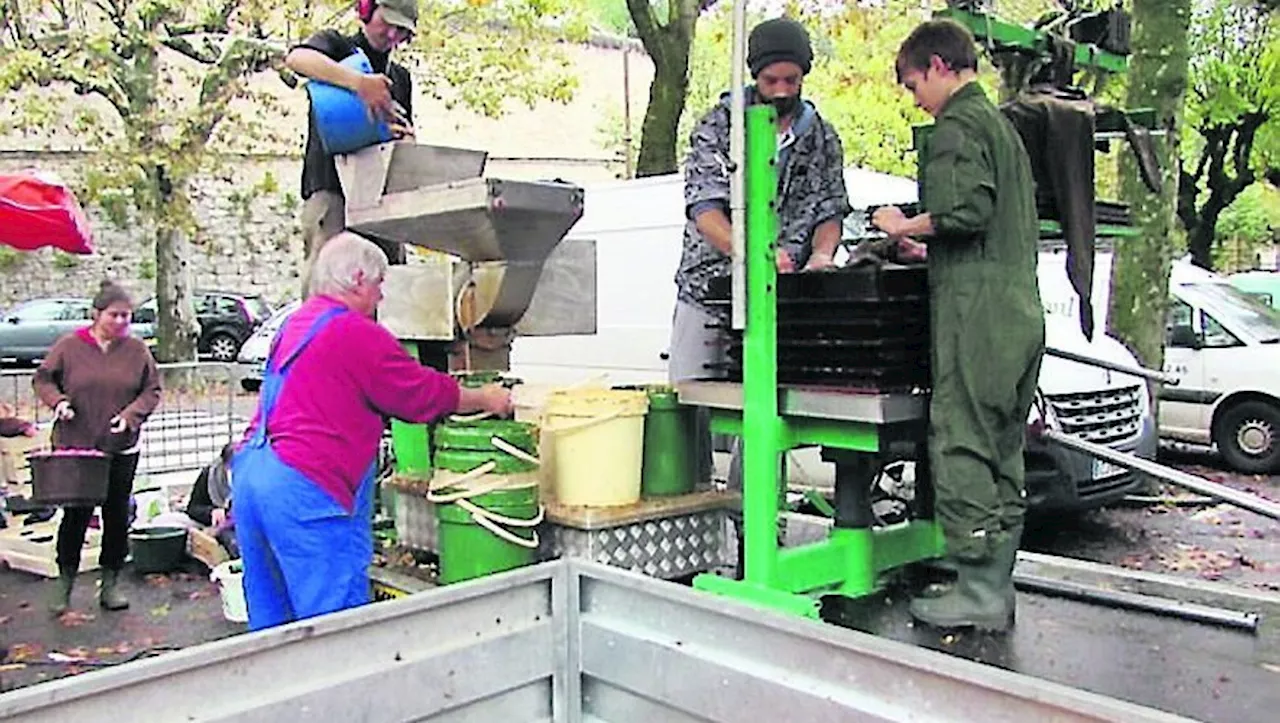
[{"x": 102, "y": 384}]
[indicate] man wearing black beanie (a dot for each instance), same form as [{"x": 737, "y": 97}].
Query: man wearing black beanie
[{"x": 811, "y": 199}]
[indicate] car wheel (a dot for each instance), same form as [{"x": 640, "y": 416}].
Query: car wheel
[
  {"x": 1248, "y": 437},
  {"x": 250, "y": 385},
  {"x": 223, "y": 348}
]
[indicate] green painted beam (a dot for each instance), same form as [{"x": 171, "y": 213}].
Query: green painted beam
[{"x": 991, "y": 31}]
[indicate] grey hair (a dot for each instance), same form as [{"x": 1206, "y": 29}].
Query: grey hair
[{"x": 344, "y": 260}]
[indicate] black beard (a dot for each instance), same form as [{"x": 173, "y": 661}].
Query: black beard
[{"x": 786, "y": 105}]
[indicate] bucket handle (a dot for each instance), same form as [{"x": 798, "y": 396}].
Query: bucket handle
[
  {"x": 470, "y": 417},
  {"x": 485, "y": 519},
  {"x": 477, "y": 510},
  {"x": 433, "y": 491},
  {"x": 575, "y": 426},
  {"x": 514, "y": 451}
]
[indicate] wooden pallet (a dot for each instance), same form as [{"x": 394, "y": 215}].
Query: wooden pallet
[
  {"x": 14, "y": 467},
  {"x": 33, "y": 548}
]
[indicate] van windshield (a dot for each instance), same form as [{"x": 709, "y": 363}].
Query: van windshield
[{"x": 1239, "y": 309}]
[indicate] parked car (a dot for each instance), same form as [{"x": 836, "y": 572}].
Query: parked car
[
  {"x": 253, "y": 354},
  {"x": 227, "y": 319},
  {"x": 1264, "y": 285},
  {"x": 29, "y": 329}
]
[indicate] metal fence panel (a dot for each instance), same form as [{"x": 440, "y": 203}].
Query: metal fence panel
[
  {"x": 201, "y": 408},
  {"x": 480, "y": 648}
]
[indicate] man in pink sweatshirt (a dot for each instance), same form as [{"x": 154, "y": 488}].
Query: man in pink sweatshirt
[{"x": 304, "y": 477}]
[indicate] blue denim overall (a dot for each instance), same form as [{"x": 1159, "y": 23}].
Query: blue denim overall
[{"x": 303, "y": 553}]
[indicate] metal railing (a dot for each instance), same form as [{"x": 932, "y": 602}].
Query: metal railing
[{"x": 200, "y": 410}]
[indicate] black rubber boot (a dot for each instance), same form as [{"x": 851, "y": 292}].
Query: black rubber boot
[
  {"x": 60, "y": 600},
  {"x": 110, "y": 598},
  {"x": 982, "y": 596}
]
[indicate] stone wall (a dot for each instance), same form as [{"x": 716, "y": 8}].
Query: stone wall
[{"x": 243, "y": 246}]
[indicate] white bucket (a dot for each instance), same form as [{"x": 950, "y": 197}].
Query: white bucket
[{"x": 230, "y": 579}]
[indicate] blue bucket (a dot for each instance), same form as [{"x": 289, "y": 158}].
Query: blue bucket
[{"x": 342, "y": 119}]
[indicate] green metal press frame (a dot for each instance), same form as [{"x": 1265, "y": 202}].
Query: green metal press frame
[{"x": 849, "y": 562}]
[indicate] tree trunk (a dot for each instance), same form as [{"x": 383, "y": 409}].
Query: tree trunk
[
  {"x": 662, "y": 117},
  {"x": 1200, "y": 238},
  {"x": 176, "y": 326},
  {"x": 1140, "y": 278}
]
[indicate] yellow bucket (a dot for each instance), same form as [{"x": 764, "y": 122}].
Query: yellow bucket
[{"x": 597, "y": 438}]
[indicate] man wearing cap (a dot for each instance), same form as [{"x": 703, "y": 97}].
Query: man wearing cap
[
  {"x": 812, "y": 200},
  {"x": 388, "y": 92}
]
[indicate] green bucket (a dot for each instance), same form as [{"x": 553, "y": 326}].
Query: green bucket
[
  {"x": 412, "y": 445},
  {"x": 670, "y": 465},
  {"x": 469, "y": 550},
  {"x": 464, "y": 446}
]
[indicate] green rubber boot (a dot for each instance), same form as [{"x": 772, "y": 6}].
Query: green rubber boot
[
  {"x": 60, "y": 600},
  {"x": 982, "y": 596},
  {"x": 110, "y": 598}
]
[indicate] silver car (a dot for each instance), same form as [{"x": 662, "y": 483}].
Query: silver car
[
  {"x": 253, "y": 354},
  {"x": 29, "y": 329}
]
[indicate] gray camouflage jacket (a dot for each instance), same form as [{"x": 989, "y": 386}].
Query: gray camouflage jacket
[{"x": 810, "y": 191}]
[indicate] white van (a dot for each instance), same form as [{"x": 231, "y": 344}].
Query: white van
[
  {"x": 1224, "y": 346},
  {"x": 638, "y": 226}
]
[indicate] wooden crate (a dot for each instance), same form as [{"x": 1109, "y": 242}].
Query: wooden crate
[
  {"x": 14, "y": 468},
  {"x": 34, "y": 548}
]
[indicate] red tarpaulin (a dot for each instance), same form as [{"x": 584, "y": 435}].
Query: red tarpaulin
[{"x": 36, "y": 212}]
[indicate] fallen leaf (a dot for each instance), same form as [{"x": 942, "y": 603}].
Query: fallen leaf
[
  {"x": 157, "y": 580},
  {"x": 74, "y": 619},
  {"x": 160, "y": 611},
  {"x": 4, "y": 619},
  {"x": 23, "y": 651}
]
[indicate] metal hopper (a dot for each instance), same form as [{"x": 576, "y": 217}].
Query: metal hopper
[{"x": 433, "y": 197}]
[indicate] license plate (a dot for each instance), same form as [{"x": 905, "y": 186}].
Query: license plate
[{"x": 1103, "y": 468}]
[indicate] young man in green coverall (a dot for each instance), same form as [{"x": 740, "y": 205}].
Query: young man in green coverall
[{"x": 979, "y": 221}]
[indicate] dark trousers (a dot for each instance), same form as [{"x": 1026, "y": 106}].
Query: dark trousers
[{"x": 115, "y": 520}]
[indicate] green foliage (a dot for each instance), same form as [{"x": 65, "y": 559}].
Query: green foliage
[
  {"x": 10, "y": 258},
  {"x": 1234, "y": 107},
  {"x": 147, "y": 269},
  {"x": 157, "y": 90},
  {"x": 63, "y": 260},
  {"x": 855, "y": 87},
  {"x": 1247, "y": 227}
]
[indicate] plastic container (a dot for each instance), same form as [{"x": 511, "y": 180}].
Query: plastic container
[
  {"x": 342, "y": 120},
  {"x": 412, "y": 445},
  {"x": 157, "y": 550},
  {"x": 670, "y": 465},
  {"x": 598, "y": 441},
  {"x": 69, "y": 477},
  {"x": 230, "y": 579},
  {"x": 486, "y": 523}
]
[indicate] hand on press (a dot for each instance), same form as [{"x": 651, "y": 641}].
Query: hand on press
[
  {"x": 910, "y": 250},
  {"x": 496, "y": 399},
  {"x": 819, "y": 261},
  {"x": 786, "y": 264},
  {"x": 889, "y": 219}
]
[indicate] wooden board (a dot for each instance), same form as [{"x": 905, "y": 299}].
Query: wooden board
[
  {"x": 593, "y": 518},
  {"x": 205, "y": 547},
  {"x": 33, "y": 548}
]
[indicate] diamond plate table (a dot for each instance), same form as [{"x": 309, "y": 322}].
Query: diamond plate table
[{"x": 667, "y": 538}]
